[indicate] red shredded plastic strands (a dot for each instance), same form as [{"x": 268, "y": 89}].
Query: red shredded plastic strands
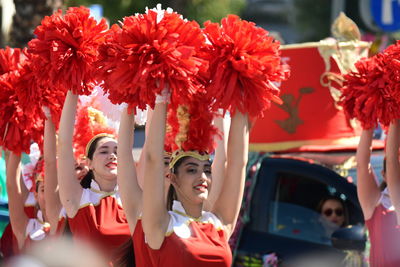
[
  {"x": 66, "y": 48},
  {"x": 19, "y": 124},
  {"x": 371, "y": 94},
  {"x": 143, "y": 55},
  {"x": 244, "y": 64}
]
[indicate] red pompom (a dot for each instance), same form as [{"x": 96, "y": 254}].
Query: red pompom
[
  {"x": 392, "y": 71},
  {"x": 18, "y": 128},
  {"x": 244, "y": 64},
  {"x": 25, "y": 84},
  {"x": 7, "y": 105},
  {"x": 67, "y": 47},
  {"x": 147, "y": 53},
  {"x": 34, "y": 95},
  {"x": 18, "y": 124},
  {"x": 367, "y": 94},
  {"x": 9, "y": 59}
]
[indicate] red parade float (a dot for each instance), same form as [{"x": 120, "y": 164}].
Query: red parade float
[{"x": 310, "y": 118}]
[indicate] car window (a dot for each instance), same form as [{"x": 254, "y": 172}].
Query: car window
[
  {"x": 295, "y": 221},
  {"x": 294, "y": 208}
]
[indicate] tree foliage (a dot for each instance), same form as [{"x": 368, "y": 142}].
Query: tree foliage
[
  {"x": 29, "y": 14},
  {"x": 199, "y": 10},
  {"x": 312, "y": 19}
]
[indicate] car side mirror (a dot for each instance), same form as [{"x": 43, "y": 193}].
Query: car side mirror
[{"x": 349, "y": 238}]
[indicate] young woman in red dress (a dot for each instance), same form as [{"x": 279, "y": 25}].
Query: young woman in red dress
[
  {"x": 187, "y": 235},
  {"x": 9, "y": 243},
  {"x": 130, "y": 175},
  {"x": 44, "y": 217},
  {"x": 95, "y": 214},
  {"x": 25, "y": 229},
  {"x": 55, "y": 213},
  {"x": 376, "y": 200}
]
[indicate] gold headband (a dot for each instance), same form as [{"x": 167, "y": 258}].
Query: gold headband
[
  {"x": 94, "y": 138},
  {"x": 178, "y": 154}
]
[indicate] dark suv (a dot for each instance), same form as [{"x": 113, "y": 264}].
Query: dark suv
[{"x": 279, "y": 211}]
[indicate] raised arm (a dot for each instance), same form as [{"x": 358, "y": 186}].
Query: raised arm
[
  {"x": 219, "y": 162},
  {"x": 141, "y": 168},
  {"x": 70, "y": 189},
  {"x": 367, "y": 188},
  {"x": 53, "y": 203},
  {"x": 155, "y": 215},
  {"x": 393, "y": 166},
  {"x": 16, "y": 198},
  {"x": 129, "y": 189},
  {"x": 228, "y": 204}
]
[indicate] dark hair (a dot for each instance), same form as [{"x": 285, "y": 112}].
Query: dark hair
[
  {"x": 171, "y": 196},
  {"x": 341, "y": 201},
  {"x": 67, "y": 229},
  {"x": 37, "y": 186},
  {"x": 384, "y": 165},
  {"x": 87, "y": 179},
  {"x": 383, "y": 185},
  {"x": 125, "y": 255}
]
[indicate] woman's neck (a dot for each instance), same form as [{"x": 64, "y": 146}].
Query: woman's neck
[
  {"x": 191, "y": 209},
  {"x": 106, "y": 185}
]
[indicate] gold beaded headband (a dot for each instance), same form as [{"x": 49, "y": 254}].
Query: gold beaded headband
[
  {"x": 94, "y": 138},
  {"x": 178, "y": 154}
]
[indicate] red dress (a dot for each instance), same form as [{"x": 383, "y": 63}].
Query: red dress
[
  {"x": 100, "y": 220},
  {"x": 188, "y": 242},
  {"x": 384, "y": 235},
  {"x": 30, "y": 206},
  {"x": 8, "y": 241},
  {"x": 36, "y": 230},
  {"x": 62, "y": 222}
]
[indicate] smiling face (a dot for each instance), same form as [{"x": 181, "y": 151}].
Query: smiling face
[
  {"x": 192, "y": 180},
  {"x": 104, "y": 161}
]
